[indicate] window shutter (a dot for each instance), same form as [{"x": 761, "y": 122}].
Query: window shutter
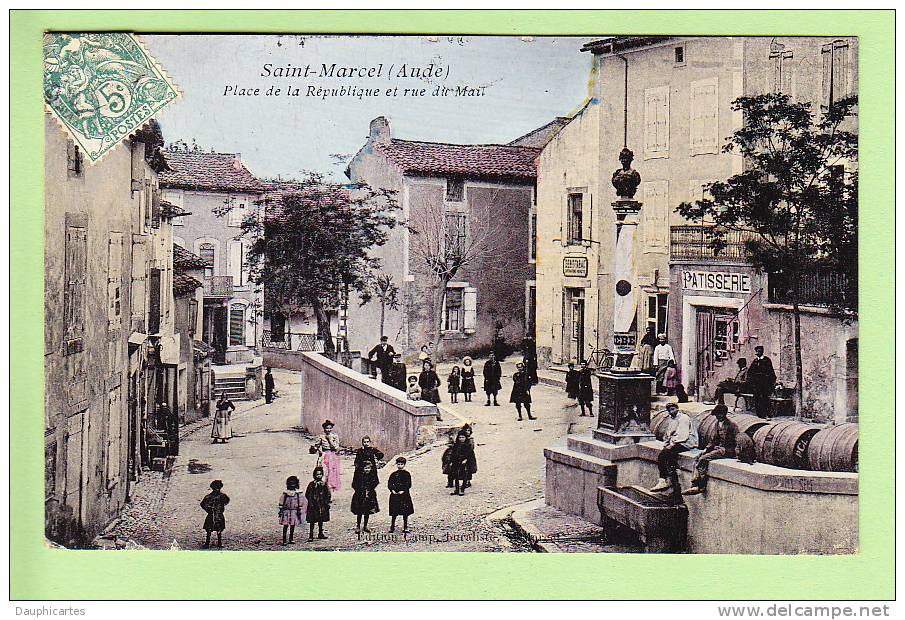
[
  {"x": 235, "y": 262},
  {"x": 114, "y": 279},
  {"x": 470, "y": 308},
  {"x": 74, "y": 295},
  {"x": 656, "y": 215},
  {"x": 704, "y": 117},
  {"x": 154, "y": 302},
  {"x": 656, "y": 121},
  {"x": 841, "y": 86},
  {"x": 826, "y": 55}
]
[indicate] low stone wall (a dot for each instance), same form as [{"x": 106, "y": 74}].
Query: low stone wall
[
  {"x": 292, "y": 360},
  {"x": 747, "y": 509},
  {"x": 359, "y": 406}
]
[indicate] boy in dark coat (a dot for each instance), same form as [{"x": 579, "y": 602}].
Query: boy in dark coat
[
  {"x": 364, "y": 500},
  {"x": 400, "y": 484},
  {"x": 319, "y": 498},
  {"x": 214, "y": 504},
  {"x": 461, "y": 456},
  {"x": 572, "y": 378},
  {"x": 492, "y": 374},
  {"x": 586, "y": 390},
  {"x": 521, "y": 391}
]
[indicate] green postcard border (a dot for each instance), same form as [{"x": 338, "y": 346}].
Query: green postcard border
[{"x": 37, "y": 572}]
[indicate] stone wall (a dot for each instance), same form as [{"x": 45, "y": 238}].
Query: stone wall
[{"x": 359, "y": 406}]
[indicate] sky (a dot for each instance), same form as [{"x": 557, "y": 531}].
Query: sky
[{"x": 527, "y": 83}]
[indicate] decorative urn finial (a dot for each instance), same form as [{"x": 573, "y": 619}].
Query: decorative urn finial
[{"x": 626, "y": 180}]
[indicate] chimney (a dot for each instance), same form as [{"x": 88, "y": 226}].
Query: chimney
[{"x": 380, "y": 131}]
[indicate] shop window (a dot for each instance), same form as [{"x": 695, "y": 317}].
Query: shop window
[
  {"x": 455, "y": 190},
  {"x": 236, "y": 324},
  {"x": 576, "y": 218}
]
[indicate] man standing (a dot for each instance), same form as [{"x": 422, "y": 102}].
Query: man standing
[
  {"x": 762, "y": 379},
  {"x": 663, "y": 355},
  {"x": 681, "y": 435},
  {"x": 529, "y": 358},
  {"x": 492, "y": 375},
  {"x": 722, "y": 446},
  {"x": 733, "y": 386},
  {"x": 268, "y": 386},
  {"x": 382, "y": 354}
]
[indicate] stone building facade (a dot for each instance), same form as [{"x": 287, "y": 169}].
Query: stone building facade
[
  {"x": 217, "y": 190},
  {"x": 478, "y": 196}
]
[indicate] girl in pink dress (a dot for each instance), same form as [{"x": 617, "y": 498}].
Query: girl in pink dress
[
  {"x": 292, "y": 506},
  {"x": 327, "y": 448}
]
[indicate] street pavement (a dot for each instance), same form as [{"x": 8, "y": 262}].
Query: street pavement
[{"x": 269, "y": 446}]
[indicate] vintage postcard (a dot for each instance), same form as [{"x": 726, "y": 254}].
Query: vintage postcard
[
  {"x": 451, "y": 293},
  {"x": 578, "y": 299}
]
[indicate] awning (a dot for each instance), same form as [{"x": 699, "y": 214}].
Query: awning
[{"x": 137, "y": 338}]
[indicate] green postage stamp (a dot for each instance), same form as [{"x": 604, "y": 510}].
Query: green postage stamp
[{"x": 102, "y": 87}]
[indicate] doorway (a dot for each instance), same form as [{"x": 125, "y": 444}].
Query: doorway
[
  {"x": 573, "y": 336},
  {"x": 717, "y": 337},
  {"x": 76, "y": 492}
]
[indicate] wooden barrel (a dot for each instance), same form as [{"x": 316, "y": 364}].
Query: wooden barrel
[
  {"x": 658, "y": 424},
  {"x": 747, "y": 423},
  {"x": 784, "y": 444},
  {"x": 835, "y": 448},
  {"x": 703, "y": 420}
]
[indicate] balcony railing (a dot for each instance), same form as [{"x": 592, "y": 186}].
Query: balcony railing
[
  {"x": 818, "y": 286},
  {"x": 218, "y": 286},
  {"x": 695, "y": 243}
]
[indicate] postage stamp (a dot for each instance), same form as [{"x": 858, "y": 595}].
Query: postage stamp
[{"x": 102, "y": 87}]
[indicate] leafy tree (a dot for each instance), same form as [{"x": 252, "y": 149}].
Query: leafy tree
[
  {"x": 794, "y": 199},
  {"x": 310, "y": 244}
]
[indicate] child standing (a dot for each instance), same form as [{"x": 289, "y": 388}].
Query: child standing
[
  {"x": 400, "y": 484},
  {"x": 414, "y": 390},
  {"x": 291, "y": 506},
  {"x": 671, "y": 378},
  {"x": 364, "y": 500},
  {"x": 447, "y": 462},
  {"x": 586, "y": 389},
  {"x": 454, "y": 381},
  {"x": 473, "y": 459},
  {"x": 461, "y": 456},
  {"x": 214, "y": 504},
  {"x": 572, "y": 380},
  {"x": 468, "y": 387},
  {"x": 319, "y": 498}
]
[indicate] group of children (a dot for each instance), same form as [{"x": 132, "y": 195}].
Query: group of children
[
  {"x": 461, "y": 380},
  {"x": 459, "y": 461}
]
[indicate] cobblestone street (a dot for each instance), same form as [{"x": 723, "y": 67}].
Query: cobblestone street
[{"x": 269, "y": 446}]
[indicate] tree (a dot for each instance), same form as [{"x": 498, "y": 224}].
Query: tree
[
  {"x": 795, "y": 199},
  {"x": 382, "y": 287},
  {"x": 445, "y": 243},
  {"x": 310, "y": 244}
]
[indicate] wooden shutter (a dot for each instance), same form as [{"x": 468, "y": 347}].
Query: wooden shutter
[
  {"x": 656, "y": 215},
  {"x": 826, "y": 58},
  {"x": 74, "y": 294},
  {"x": 114, "y": 280},
  {"x": 656, "y": 121},
  {"x": 154, "y": 302},
  {"x": 704, "y": 136},
  {"x": 237, "y": 324},
  {"x": 235, "y": 262},
  {"x": 470, "y": 309}
]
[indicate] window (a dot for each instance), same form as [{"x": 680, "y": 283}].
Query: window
[
  {"x": 114, "y": 280},
  {"x": 837, "y": 76},
  {"x": 656, "y": 122},
  {"x": 460, "y": 309},
  {"x": 680, "y": 55},
  {"x": 704, "y": 136},
  {"x": 74, "y": 161},
  {"x": 154, "y": 301},
  {"x": 236, "y": 212},
  {"x": 782, "y": 71},
  {"x": 74, "y": 293},
  {"x": 455, "y": 190},
  {"x": 532, "y": 236},
  {"x": 236, "y": 324},
  {"x": 114, "y": 441},
  {"x": 456, "y": 234},
  {"x": 576, "y": 224},
  {"x": 655, "y": 215},
  {"x": 206, "y": 252},
  {"x": 656, "y": 312}
]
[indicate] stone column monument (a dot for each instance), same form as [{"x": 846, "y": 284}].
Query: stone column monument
[{"x": 624, "y": 390}]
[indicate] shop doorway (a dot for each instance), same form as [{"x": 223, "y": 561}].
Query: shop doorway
[
  {"x": 573, "y": 336},
  {"x": 717, "y": 337}
]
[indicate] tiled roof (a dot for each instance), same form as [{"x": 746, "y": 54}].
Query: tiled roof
[
  {"x": 183, "y": 260},
  {"x": 168, "y": 209},
  {"x": 215, "y": 172},
  {"x": 492, "y": 161},
  {"x": 184, "y": 283}
]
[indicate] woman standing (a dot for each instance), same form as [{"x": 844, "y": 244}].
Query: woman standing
[
  {"x": 430, "y": 383},
  {"x": 468, "y": 387},
  {"x": 222, "y": 429},
  {"x": 327, "y": 447}
]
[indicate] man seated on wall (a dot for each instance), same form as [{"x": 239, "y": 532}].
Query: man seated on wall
[
  {"x": 736, "y": 385},
  {"x": 722, "y": 446},
  {"x": 681, "y": 435}
]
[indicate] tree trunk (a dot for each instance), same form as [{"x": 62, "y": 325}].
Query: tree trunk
[
  {"x": 323, "y": 325},
  {"x": 438, "y": 296},
  {"x": 383, "y": 305}
]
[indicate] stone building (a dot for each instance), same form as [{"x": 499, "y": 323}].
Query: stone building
[
  {"x": 721, "y": 307},
  {"x": 218, "y": 190},
  {"x": 478, "y": 197},
  {"x": 108, "y": 328},
  {"x": 667, "y": 99}
]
